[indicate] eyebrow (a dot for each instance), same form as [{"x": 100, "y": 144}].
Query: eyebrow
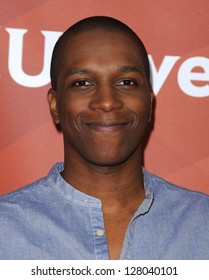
[
  {"x": 81, "y": 71},
  {"x": 122, "y": 69},
  {"x": 126, "y": 69}
]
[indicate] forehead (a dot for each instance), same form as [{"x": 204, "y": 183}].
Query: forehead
[{"x": 101, "y": 46}]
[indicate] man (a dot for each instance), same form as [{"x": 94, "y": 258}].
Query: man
[{"x": 101, "y": 203}]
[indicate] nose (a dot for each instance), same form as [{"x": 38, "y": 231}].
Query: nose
[{"x": 106, "y": 99}]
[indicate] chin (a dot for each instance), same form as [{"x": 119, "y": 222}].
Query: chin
[
  {"x": 109, "y": 161},
  {"x": 111, "y": 156}
]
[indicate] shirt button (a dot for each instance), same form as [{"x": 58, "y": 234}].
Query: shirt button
[{"x": 100, "y": 232}]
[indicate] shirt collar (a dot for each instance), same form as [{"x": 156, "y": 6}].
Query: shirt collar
[
  {"x": 70, "y": 193},
  {"x": 149, "y": 196}
]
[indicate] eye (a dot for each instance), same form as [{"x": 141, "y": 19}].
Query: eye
[
  {"x": 82, "y": 84},
  {"x": 126, "y": 83}
]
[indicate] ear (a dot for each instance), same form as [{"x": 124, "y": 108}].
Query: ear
[
  {"x": 52, "y": 101},
  {"x": 151, "y": 103}
]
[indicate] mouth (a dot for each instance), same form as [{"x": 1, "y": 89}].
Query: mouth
[{"x": 106, "y": 126}]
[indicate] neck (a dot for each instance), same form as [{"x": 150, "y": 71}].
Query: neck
[{"x": 115, "y": 186}]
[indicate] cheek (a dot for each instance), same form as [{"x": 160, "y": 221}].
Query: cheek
[
  {"x": 70, "y": 110},
  {"x": 66, "y": 111},
  {"x": 140, "y": 108}
]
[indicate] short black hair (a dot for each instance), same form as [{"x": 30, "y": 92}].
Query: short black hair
[{"x": 103, "y": 23}]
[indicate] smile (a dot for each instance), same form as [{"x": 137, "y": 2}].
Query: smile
[{"x": 107, "y": 126}]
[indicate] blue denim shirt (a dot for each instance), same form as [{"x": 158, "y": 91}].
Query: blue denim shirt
[{"x": 50, "y": 219}]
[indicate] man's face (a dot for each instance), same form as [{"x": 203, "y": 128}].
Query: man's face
[{"x": 103, "y": 98}]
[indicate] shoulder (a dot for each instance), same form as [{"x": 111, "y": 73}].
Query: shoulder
[
  {"x": 32, "y": 191},
  {"x": 24, "y": 194},
  {"x": 172, "y": 194},
  {"x": 24, "y": 205}
]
